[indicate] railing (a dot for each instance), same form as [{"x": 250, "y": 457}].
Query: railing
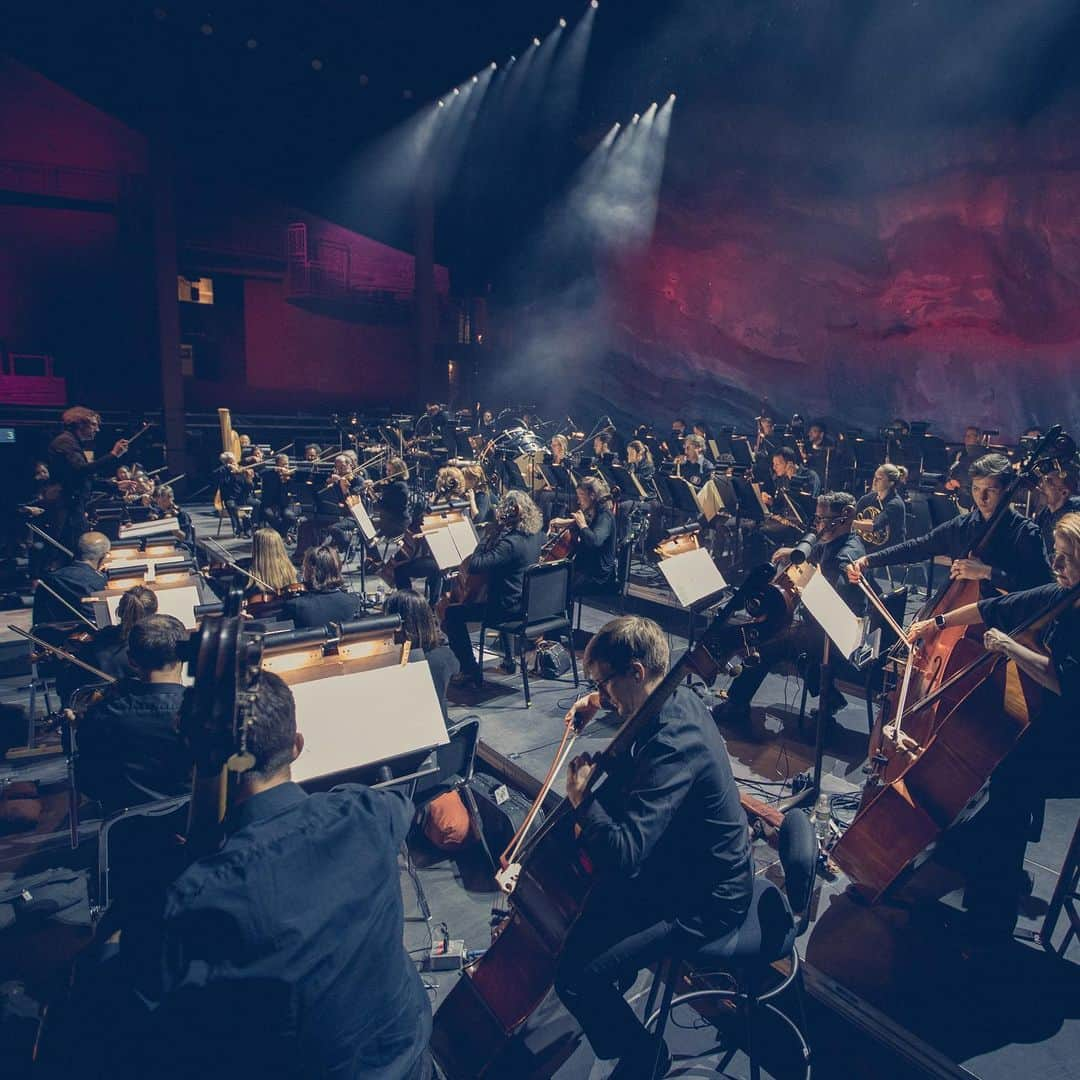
[{"x": 64, "y": 182}]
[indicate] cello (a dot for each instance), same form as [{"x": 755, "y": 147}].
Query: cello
[
  {"x": 986, "y": 703},
  {"x": 927, "y": 667},
  {"x": 548, "y": 877}
]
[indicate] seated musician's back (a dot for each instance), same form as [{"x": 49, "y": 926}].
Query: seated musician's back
[
  {"x": 81, "y": 577},
  {"x": 324, "y": 599},
  {"x": 129, "y": 749}
]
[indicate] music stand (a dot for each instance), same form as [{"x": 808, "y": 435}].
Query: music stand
[
  {"x": 695, "y": 581},
  {"x": 683, "y": 496}
]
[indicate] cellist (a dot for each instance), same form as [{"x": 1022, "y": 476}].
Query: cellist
[
  {"x": 1014, "y": 557},
  {"x": 1045, "y": 763},
  {"x": 666, "y": 836}
]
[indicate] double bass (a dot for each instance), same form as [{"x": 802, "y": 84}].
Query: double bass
[
  {"x": 986, "y": 703},
  {"x": 549, "y": 877},
  {"x": 930, "y": 665}
]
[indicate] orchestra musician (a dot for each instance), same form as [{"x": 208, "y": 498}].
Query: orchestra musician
[
  {"x": 279, "y": 504},
  {"x": 312, "y": 970},
  {"x": 130, "y": 751},
  {"x": 593, "y": 523},
  {"x": 333, "y": 500},
  {"x": 556, "y": 501},
  {"x": 324, "y": 599},
  {"x": 108, "y": 649},
  {"x": 165, "y": 506},
  {"x": 601, "y": 448},
  {"x": 834, "y": 550},
  {"x": 71, "y": 473},
  {"x": 1046, "y": 762},
  {"x": 477, "y": 491},
  {"x": 394, "y": 501},
  {"x": 971, "y": 450},
  {"x": 79, "y": 578},
  {"x": 270, "y": 567},
  {"x": 236, "y": 486},
  {"x": 450, "y": 484},
  {"x": 442, "y": 426},
  {"x": 1058, "y": 489},
  {"x": 692, "y": 464},
  {"x": 421, "y": 629},
  {"x": 672, "y": 816},
  {"x": 890, "y": 519},
  {"x": 819, "y": 451},
  {"x": 793, "y": 481},
  {"x": 1014, "y": 558},
  {"x": 639, "y": 462},
  {"x": 504, "y": 556}
]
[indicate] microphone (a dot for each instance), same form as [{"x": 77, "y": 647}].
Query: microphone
[{"x": 801, "y": 551}]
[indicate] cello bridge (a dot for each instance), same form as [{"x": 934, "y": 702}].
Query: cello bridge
[{"x": 507, "y": 877}]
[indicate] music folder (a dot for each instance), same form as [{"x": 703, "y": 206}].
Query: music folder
[
  {"x": 452, "y": 545},
  {"x": 842, "y": 626}
]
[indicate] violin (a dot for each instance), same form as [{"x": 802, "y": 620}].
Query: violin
[{"x": 264, "y": 602}]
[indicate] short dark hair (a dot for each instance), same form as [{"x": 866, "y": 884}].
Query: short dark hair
[
  {"x": 417, "y": 619},
  {"x": 991, "y": 467},
  {"x": 786, "y": 453},
  {"x": 626, "y": 639},
  {"x": 322, "y": 568},
  {"x": 837, "y": 501},
  {"x": 272, "y": 734},
  {"x": 603, "y": 438},
  {"x": 152, "y": 642},
  {"x": 819, "y": 424}
]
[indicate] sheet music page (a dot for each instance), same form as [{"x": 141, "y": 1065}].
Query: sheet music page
[
  {"x": 365, "y": 717},
  {"x": 443, "y": 549},
  {"x": 692, "y": 576},
  {"x": 464, "y": 536},
  {"x": 844, "y": 627}
]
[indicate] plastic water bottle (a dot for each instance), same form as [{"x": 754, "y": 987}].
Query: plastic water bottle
[{"x": 821, "y": 819}]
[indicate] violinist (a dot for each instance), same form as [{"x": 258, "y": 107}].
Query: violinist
[
  {"x": 71, "y": 473},
  {"x": 312, "y": 453},
  {"x": 279, "y": 504},
  {"x": 324, "y": 599},
  {"x": 80, "y": 578},
  {"x": 593, "y": 523},
  {"x": 692, "y": 465},
  {"x": 602, "y": 451},
  {"x": 1013, "y": 558},
  {"x": 504, "y": 556},
  {"x": 165, "y": 506},
  {"x": 130, "y": 751},
  {"x": 270, "y": 568},
  {"x": 889, "y": 520},
  {"x": 1058, "y": 489},
  {"x": 333, "y": 500},
  {"x": 666, "y": 836},
  {"x": 477, "y": 492},
  {"x": 395, "y": 498},
  {"x": 832, "y": 548},
  {"x": 1046, "y": 761},
  {"x": 236, "y": 486}
]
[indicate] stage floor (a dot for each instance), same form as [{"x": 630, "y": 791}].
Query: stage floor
[{"x": 892, "y": 971}]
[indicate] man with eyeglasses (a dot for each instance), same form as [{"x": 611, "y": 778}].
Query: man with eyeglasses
[
  {"x": 834, "y": 547},
  {"x": 667, "y": 839}
]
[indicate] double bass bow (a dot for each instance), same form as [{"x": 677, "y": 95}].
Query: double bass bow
[{"x": 548, "y": 878}]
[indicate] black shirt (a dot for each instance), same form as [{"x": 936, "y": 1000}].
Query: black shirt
[
  {"x": 70, "y": 473},
  {"x": 233, "y": 484},
  {"x": 72, "y": 582},
  {"x": 505, "y": 564},
  {"x": 442, "y": 663},
  {"x": 594, "y": 556},
  {"x": 281, "y": 955},
  {"x": 1015, "y": 551},
  {"x": 890, "y": 526},
  {"x": 319, "y": 608},
  {"x": 129, "y": 749},
  {"x": 697, "y": 472},
  {"x": 668, "y": 820},
  {"x": 1046, "y": 519}
]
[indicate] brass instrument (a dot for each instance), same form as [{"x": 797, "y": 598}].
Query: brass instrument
[{"x": 865, "y": 523}]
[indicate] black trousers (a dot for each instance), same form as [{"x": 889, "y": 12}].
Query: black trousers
[
  {"x": 801, "y": 638},
  {"x": 422, "y": 566},
  {"x": 617, "y": 935},
  {"x": 458, "y": 617}
]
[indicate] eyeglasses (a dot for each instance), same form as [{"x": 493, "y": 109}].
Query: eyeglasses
[{"x": 602, "y": 684}]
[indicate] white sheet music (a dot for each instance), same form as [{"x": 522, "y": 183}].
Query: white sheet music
[
  {"x": 366, "y": 717},
  {"x": 149, "y": 528},
  {"x": 692, "y": 576},
  {"x": 180, "y": 603},
  {"x": 451, "y": 545},
  {"x": 844, "y": 627},
  {"x": 361, "y": 517}
]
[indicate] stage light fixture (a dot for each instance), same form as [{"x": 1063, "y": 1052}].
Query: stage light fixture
[
  {"x": 536, "y": 41},
  {"x": 476, "y": 78},
  {"x": 251, "y": 43},
  {"x": 671, "y": 97},
  {"x": 562, "y": 23},
  {"x": 635, "y": 118},
  {"x": 594, "y": 3},
  {"x": 206, "y": 29},
  {"x": 442, "y": 104},
  {"x": 316, "y": 64},
  {"x": 513, "y": 59},
  {"x": 494, "y": 66},
  {"x": 457, "y": 91}
]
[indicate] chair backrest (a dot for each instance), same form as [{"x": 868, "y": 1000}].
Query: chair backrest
[
  {"x": 546, "y": 593},
  {"x": 798, "y": 856},
  {"x": 134, "y": 839},
  {"x": 458, "y": 756}
]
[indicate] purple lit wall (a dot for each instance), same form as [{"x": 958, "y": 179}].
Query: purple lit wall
[{"x": 848, "y": 275}]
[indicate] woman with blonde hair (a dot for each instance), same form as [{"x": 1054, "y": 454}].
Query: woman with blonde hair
[
  {"x": 270, "y": 563},
  {"x": 1045, "y": 762}
]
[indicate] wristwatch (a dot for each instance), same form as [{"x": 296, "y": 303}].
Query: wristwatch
[{"x": 939, "y": 621}]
